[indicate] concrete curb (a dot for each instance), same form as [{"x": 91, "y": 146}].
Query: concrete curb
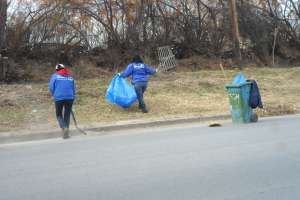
[
  {"x": 155, "y": 123},
  {"x": 13, "y": 137}
]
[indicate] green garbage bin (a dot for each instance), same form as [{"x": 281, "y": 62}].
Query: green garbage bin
[{"x": 239, "y": 95}]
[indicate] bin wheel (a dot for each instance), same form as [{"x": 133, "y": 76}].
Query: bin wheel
[{"x": 254, "y": 117}]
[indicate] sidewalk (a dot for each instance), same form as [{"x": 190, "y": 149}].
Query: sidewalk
[{"x": 21, "y": 136}]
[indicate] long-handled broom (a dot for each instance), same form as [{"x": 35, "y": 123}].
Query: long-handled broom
[{"x": 75, "y": 123}]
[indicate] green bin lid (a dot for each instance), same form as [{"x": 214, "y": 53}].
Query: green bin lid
[{"x": 238, "y": 85}]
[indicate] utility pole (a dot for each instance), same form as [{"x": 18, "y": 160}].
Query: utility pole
[
  {"x": 235, "y": 30},
  {"x": 3, "y": 18}
]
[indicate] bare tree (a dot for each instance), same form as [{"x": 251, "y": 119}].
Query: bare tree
[
  {"x": 119, "y": 27},
  {"x": 3, "y": 18}
]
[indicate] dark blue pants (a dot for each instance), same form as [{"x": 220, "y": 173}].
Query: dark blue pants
[
  {"x": 140, "y": 88},
  {"x": 63, "y": 118}
]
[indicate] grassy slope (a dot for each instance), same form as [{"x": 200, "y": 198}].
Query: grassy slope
[{"x": 168, "y": 96}]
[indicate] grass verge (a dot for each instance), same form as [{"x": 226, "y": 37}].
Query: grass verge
[{"x": 172, "y": 95}]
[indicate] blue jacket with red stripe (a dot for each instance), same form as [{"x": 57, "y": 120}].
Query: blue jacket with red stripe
[{"x": 62, "y": 87}]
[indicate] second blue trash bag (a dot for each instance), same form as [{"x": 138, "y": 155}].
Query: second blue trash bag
[
  {"x": 120, "y": 92},
  {"x": 239, "y": 79}
]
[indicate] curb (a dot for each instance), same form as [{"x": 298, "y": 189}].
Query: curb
[
  {"x": 155, "y": 123},
  {"x": 14, "y": 137}
]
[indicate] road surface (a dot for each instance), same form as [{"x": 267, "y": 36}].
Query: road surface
[{"x": 192, "y": 162}]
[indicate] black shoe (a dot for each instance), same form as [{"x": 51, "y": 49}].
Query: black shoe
[
  {"x": 144, "y": 110},
  {"x": 66, "y": 133}
]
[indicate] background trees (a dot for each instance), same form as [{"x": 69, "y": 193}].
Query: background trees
[{"x": 119, "y": 28}]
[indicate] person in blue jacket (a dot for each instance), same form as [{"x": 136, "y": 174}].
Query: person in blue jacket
[
  {"x": 62, "y": 88},
  {"x": 139, "y": 72}
]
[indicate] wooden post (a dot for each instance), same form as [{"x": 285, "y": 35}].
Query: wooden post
[
  {"x": 1, "y": 69},
  {"x": 274, "y": 45},
  {"x": 235, "y": 30}
]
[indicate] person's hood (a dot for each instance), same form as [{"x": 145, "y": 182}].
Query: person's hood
[{"x": 63, "y": 72}]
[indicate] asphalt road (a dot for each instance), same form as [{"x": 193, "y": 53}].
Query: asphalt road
[{"x": 245, "y": 162}]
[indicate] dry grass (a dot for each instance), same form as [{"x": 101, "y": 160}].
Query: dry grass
[{"x": 197, "y": 93}]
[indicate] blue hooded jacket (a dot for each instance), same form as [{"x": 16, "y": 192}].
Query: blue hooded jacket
[
  {"x": 139, "y": 72},
  {"x": 62, "y": 87}
]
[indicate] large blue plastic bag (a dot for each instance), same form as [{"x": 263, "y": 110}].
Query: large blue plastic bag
[
  {"x": 120, "y": 92},
  {"x": 239, "y": 79}
]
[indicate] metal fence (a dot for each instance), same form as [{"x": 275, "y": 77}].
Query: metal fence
[{"x": 166, "y": 58}]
